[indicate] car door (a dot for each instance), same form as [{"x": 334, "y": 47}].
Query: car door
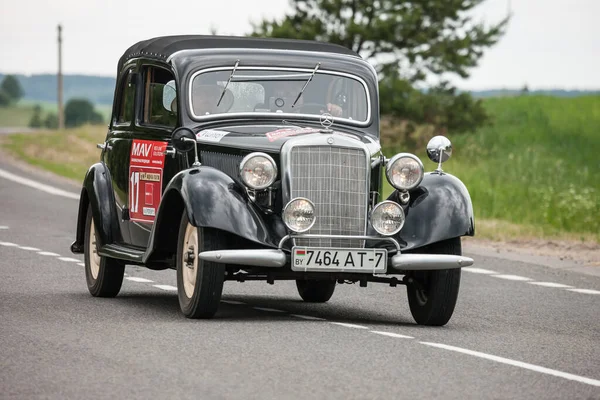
[
  {"x": 150, "y": 167},
  {"x": 118, "y": 143}
]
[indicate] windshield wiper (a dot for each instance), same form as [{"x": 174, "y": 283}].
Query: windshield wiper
[
  {"x": 306, "y": 83},
  {"x": 228, "y": 80}
]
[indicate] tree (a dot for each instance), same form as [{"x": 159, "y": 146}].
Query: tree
[
  {"x": 415, "y": 36},
  {"x": 11, "y": 86},
  {"x": 4, "y": 99},
  {"x": 51, "y": 121},
  {"x": 81, "y": 111},
  {"x": 36, "y": 118}
]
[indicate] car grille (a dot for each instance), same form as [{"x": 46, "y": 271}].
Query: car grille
[
  {"x": 228, "y": 163},
  {"x": 335, "y": 180}
]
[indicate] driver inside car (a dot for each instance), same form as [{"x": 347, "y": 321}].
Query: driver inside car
[{"x": 286, "y": 92}]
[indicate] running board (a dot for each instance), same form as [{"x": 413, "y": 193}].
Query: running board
[{"x": 122, "y": 252}]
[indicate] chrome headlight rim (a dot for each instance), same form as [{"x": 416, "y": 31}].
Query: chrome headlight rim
[
  {"x": 286, "y": 207},
  {"x": 401, "y": 211},
  {"x": 248, "y": 158},
  {"x": 390, "y": 164}
]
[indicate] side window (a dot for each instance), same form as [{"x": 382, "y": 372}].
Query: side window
[
  {"x": 160, "y": 97},
  {"x": 127, "y": 93}
]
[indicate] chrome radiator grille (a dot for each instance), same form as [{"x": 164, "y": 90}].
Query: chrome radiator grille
[{"x": 335, "y": 179}]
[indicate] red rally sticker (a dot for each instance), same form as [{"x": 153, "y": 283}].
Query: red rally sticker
[{"x": 146, "y": 165}]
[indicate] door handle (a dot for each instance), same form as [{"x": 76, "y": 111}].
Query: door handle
[{"x": 104, "y": 146}]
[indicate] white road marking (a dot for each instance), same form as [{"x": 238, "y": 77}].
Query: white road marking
[
  {"x": 137, "y": 279},
  {"x": 48, "y": 253},
  {"x": 512, "y": 277},
  {"x": 479, "y": 270},
  {"x": 3, "y": 227},
  {"x": 308, "y": 317},
  {"x": 81, "y": 264},
  {"x": 267, "y": 309},
  {"x": 37, "y": 185},
  {"x": 232, "y": 302},
  {"x": 349, "y": 325},
  {"x": 585, "y": 291},
  {"x": 516, "y": 363},
  {"x": 550, "y": 284},
  {"x": 29, "y": 248},
  {"x": 166, "y": 287},
  {"x": 69, "y": 259},
  {"x": 9, "y": 244},
  {"x": 391, "y": 334}
]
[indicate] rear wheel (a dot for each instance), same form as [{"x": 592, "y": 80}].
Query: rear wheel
[
  {"x": 433, "y": 296},
  {"x": 104, "y": 275},
  {"x": 313, "y": 291},
  {"x": 199, "y": 283}
]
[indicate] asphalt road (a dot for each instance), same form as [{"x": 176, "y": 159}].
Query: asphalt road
[{"x": 509, "y": 338}]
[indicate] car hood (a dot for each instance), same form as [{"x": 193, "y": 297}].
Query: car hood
[{"x": 269, "y": 138}]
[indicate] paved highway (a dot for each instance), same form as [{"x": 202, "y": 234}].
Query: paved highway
[{"x": 520, "y": 331}]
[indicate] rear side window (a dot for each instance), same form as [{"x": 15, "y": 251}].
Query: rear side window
[
  {"x": 127, "y": 98},
  {"x": 160, "y": 97}
]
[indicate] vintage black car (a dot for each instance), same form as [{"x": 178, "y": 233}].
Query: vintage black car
[{"x": 231, "y": 158}]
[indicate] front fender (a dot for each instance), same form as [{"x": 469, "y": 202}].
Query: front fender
[
  {"x": 97, "y": 193},
  {"x": 212, "y": 199},
  {"x": 439, "y": 209}
]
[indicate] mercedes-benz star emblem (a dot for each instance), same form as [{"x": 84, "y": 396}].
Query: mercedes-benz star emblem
[{"x": 326, "y": 120}]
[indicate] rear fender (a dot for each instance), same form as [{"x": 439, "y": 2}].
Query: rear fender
[
  {"x": 439, "y": 209},
  {"x": 97, "y": 193}
]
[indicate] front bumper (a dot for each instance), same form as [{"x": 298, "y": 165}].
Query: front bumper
[{"x": 278, "y": 258}]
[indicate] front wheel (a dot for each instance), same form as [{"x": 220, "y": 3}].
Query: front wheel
[
  {"x": 199, "y": 283},
  {"x": 433, "y": 296},
  {"x": 313, "y": 291},
  {"x": 104, "y": 276}
]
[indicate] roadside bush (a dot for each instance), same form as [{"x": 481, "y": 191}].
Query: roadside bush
[
  {"x": 81, "y": 111},
  {"x": 36, "y": 118},
  {"x": 51, "y": 121},
  {"x": 4, "y": 98}
]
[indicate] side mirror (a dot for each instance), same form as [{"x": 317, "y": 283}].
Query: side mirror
[
  {"x": 439, "y": 150},
  {"x": 184, "y": 140}
]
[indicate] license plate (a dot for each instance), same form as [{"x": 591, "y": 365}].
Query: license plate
[{"x": 339, "y": 260}]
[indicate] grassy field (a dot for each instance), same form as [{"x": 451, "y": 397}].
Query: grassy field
[
  {"x": 68, "y": 153},
  {"x": 536, "y": 168},
  {"x": 532, "y": 173},
  {"x": 20, "y": 114}
]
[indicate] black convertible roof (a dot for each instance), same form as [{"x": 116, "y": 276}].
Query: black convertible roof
[{"x": 163, "y": 47}]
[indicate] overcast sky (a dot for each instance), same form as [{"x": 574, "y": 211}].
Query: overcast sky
[{"x": 549, "y": 44}]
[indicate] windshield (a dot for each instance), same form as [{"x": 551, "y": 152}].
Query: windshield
[{"x": 273, "y": 92}]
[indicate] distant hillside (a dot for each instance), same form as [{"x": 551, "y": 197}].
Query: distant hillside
[{"x": 97, "y": 89}]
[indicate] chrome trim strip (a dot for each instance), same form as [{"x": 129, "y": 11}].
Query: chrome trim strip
[
  {"x": 425, "y": 262},
  {"x": 256, "y": 258},
  {"x": 277, "y": 115},
  {"x": 363, "y": 237}
]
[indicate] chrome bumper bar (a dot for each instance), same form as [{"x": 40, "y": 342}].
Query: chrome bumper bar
[{"x": 278, "y": 258}]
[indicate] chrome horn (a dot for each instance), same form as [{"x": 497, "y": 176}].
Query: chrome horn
[{"x": 439, "y": 150}]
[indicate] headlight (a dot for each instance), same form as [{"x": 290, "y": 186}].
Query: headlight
[
  {"x": 299, "y": 214},
  {"x": 258, "y": 171},
  {"x": 404, "y": 171},
  {"x": 387, "y": 218}
]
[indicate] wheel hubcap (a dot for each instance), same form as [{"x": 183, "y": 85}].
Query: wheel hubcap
[
  {"x": 189, "y": 259},
  {"x": 93, "y": 251}
]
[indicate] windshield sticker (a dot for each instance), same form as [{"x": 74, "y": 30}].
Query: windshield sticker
[
  {"x": 146, "y": 165},
  {"x": 281, "y": 133},
  {"x": 211, "y": 135}
]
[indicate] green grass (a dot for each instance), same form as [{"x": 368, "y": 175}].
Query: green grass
[
  {"x": 537, "y": 165},
  {"x": 20, "y": 114},
  {"x": 68, "y": 153}
]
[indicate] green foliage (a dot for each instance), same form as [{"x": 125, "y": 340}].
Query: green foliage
[
  {"x": 433, "y": 36},
  {"x": 11, "y": 86},
  {"x": 79, "y": 112},
  {"x": 4, "y": 98},
  {"x": 36, "y": 118},
  {"x": 51, "y": 121},
  {"x": 537, "y": 164}
]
